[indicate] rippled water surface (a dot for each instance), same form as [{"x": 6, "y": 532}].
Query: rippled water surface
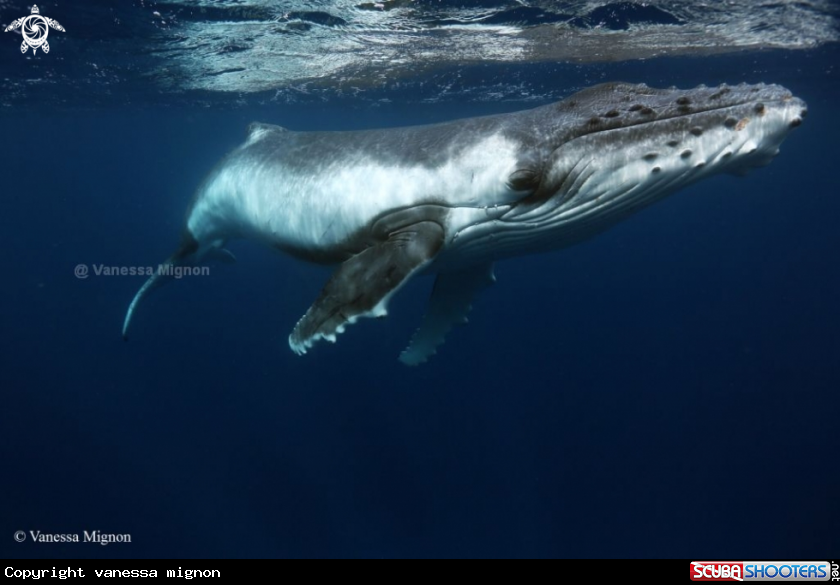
[{"x": 435, "y": 50}]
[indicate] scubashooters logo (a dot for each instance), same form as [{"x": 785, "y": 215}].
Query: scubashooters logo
[
  {"x": 34, "y": 29},
  {"x": 762, "y": 571}
]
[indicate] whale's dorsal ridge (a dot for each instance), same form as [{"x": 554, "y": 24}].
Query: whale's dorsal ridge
[{"x": 259, "y": 129}]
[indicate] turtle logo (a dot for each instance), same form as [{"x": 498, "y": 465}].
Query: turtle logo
[{"x": 34, "y": 29}]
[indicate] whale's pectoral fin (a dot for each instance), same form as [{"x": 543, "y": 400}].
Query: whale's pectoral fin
[
  {"x": 451, "y": 301},
  {"x": 363, "y": 284}
]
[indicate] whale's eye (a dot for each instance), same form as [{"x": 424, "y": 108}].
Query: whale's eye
[{"x": 524, "y": 180}]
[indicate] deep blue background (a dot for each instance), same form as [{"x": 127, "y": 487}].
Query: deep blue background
[{"x": 671, "y": 388}]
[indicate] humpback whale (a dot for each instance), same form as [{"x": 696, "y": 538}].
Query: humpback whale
[{"x": 450, "y": 199}]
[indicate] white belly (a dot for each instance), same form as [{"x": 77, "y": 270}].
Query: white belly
[{"x": 334, "y": 201}]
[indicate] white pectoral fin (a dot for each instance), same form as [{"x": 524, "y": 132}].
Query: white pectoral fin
[
  {"x": 362, "y": 285},
  {"x": 450, "y": 302}
]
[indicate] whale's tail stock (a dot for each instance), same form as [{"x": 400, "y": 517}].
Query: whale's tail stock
[
  {"x": 187, "y": 254},
  {"x": 163, "y": 274}
]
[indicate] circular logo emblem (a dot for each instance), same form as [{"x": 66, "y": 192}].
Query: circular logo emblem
[{"x": 35, "y": 30}]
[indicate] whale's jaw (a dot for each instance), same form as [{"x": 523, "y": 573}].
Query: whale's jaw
[{"x": 640, "y": 149}]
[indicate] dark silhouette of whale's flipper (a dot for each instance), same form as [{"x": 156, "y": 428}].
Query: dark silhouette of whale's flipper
[
  {"x": 451, "y": 301},
  {"x": 363, "y": 284}
]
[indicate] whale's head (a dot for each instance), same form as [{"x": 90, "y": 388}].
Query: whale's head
[
  {"x": 720, "y": 129},
  {"x": 610, "y": 150}
]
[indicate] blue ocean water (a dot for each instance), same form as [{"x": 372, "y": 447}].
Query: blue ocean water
[{"x": 667, "y": 389}]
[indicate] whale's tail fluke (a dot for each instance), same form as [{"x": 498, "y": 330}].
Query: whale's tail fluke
[{"x": 162, "y": 275}]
